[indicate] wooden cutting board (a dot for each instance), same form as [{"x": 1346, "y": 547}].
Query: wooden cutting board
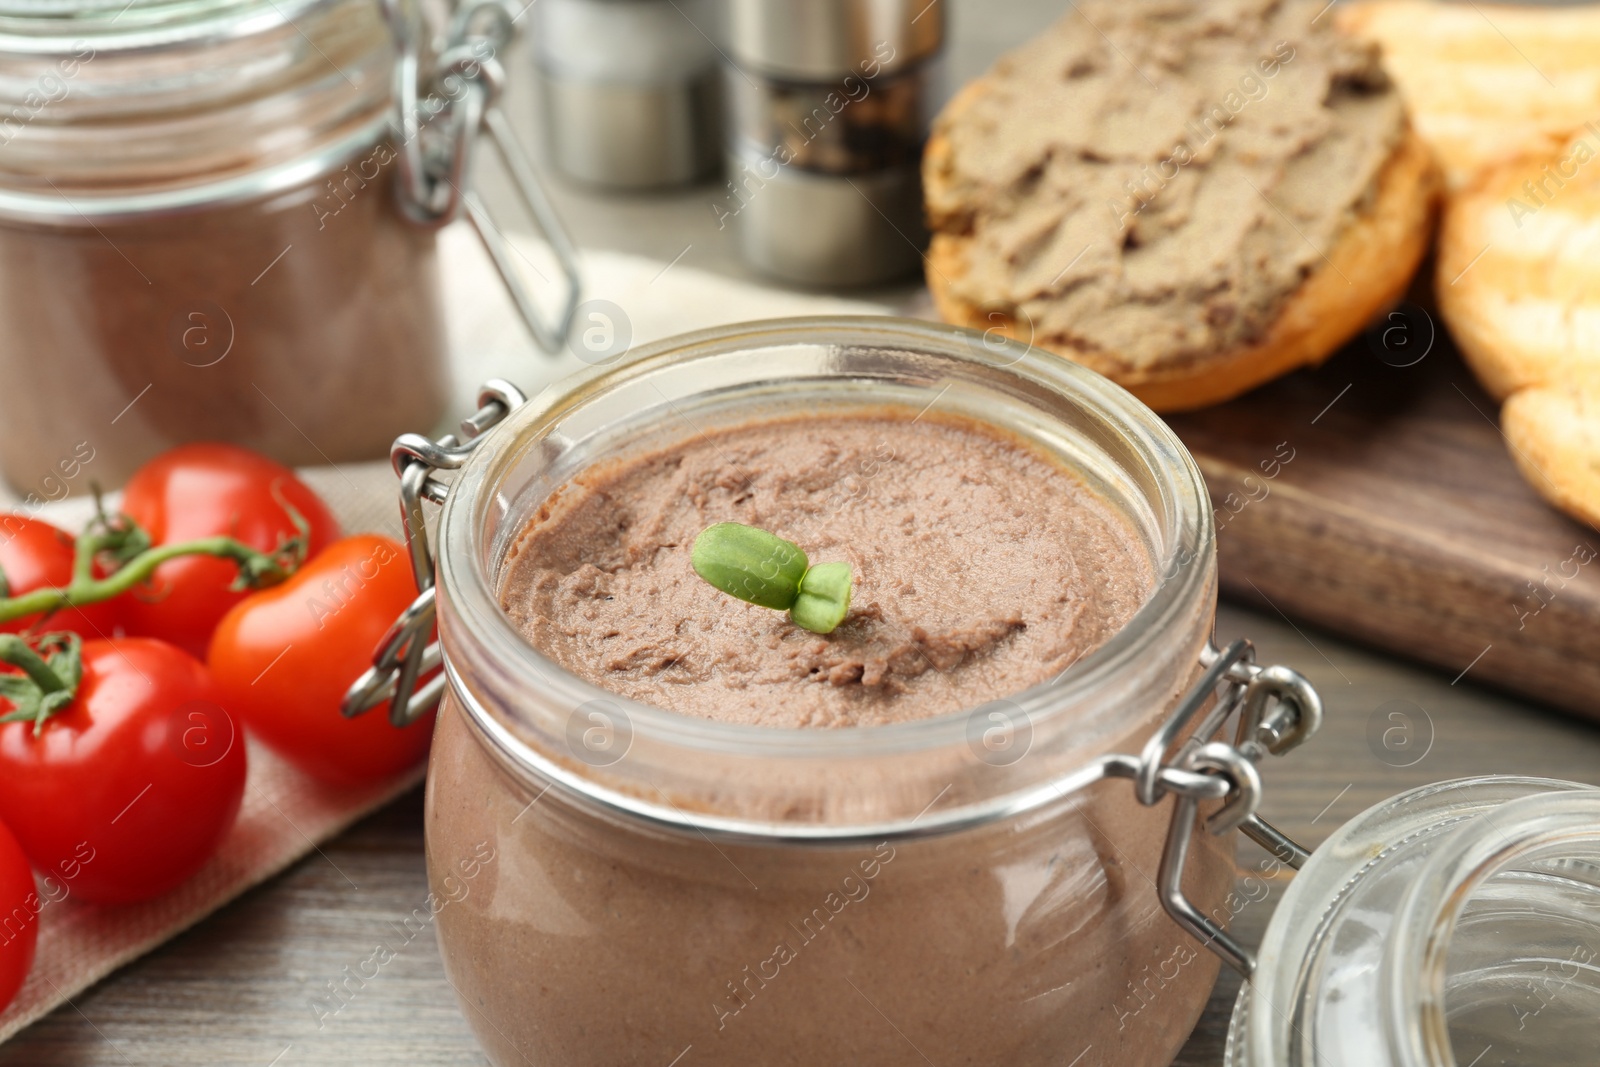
[{"x": 1399, "y": 519}]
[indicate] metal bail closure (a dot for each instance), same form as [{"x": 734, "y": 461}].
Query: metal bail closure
[
  {"x": 408, "y": 650},
  {"x": 435, "y": 134},
  {"x": 1278, "y": 709}
]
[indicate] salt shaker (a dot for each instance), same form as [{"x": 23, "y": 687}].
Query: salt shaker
[
  {"x": 829, "y": 103},
  {"x": 629, "y": 89}
]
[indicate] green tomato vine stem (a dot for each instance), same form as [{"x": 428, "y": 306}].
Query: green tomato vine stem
[
  {"x": 120, "y": 539},
  {"x": 87, "y": 589},
  {"x": 15, "y": 651},
  {"x": 52, "y": 668}
]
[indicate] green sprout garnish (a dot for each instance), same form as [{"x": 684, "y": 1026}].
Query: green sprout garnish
[{"x": 763, "y": 569}]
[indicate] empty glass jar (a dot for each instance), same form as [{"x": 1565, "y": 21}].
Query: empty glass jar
[{"x": 1457, "y": 924}]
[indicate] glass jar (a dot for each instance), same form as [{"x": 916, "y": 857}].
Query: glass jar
[
  {"x": 199, "y": 237},
  {"x": 1458, "y": 923},
  {"x": 615, "y": 883}
]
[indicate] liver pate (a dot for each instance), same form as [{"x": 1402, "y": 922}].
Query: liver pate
[{"x": 982, "y": 568}]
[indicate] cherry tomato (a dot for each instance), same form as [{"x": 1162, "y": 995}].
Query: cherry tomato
[
  {"x": 19, "y": 917},
  {"x": 36, "y": 555},
  {"x": 205, "y": 490},
  {"x": 285, "y": 656},
  {"x": 128, "y": 790}
]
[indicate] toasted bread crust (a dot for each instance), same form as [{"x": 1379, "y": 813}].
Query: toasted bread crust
[
  {"x": 1554, "y": 434},
  {"x": 1516, "y": 284},
  {"x": 1475, "y": 97}
]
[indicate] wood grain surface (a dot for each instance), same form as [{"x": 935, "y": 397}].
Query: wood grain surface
[
  {"x": 1399, "y": 519},
  {"x": 241, "y": 988}
]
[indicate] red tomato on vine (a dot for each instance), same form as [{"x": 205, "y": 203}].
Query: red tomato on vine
[
  {"x": 19, "y": 917},
  {"x": 120, "y": 770},
  {"x": 209, "y": 490},
  {"x": 36, "y": 555},
  {"x": 285, "y": 656}
]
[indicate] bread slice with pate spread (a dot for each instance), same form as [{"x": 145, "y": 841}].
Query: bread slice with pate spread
[{"x": 1191, "y": 197}]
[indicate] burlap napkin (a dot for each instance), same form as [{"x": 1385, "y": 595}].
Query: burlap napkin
[{"x": 285, "y": 815}]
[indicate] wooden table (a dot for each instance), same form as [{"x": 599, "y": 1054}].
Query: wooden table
[{"x": 237, "y": 990}]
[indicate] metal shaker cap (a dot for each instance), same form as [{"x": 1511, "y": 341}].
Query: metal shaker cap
[
  {"x": 630, "y": 89},
  {"x": 820, "y": 40}
]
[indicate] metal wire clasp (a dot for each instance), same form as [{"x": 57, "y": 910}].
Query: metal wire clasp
[
  {"x": 439, "y": 118},
  {"x": 1278, "y": 709},
  {"x": 407, "y": 651}
]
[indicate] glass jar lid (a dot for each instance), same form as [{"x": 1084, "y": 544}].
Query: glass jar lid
[
  {"x": 1454, "y": 925},
  {"x": 116, "y": 101},
  {"x": 52, "y": 24}
]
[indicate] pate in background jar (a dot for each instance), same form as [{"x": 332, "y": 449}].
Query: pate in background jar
[{"x": 200, "y": 236}]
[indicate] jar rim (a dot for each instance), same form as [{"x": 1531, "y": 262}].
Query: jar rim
[
  {"x": 472, "y": 621},
  {"x": 1564, "y": 823}
]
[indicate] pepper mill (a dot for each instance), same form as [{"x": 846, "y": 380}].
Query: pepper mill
[{"x": 829, "y": 103}]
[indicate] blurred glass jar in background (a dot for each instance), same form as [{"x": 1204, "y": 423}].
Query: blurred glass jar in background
[
  {"x": 200, "y": 239},
  {"x": 630, "y": 89}
]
